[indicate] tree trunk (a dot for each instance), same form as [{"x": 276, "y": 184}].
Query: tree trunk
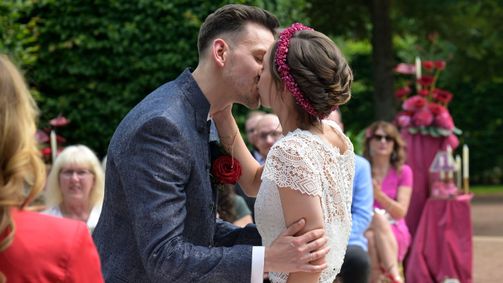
[{"x": 382, "y": 57}]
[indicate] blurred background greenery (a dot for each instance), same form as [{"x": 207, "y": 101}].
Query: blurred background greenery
[{"x": 92, "y": 61}]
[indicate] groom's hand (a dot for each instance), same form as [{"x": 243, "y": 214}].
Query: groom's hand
[{"x": 289, "y": 253}]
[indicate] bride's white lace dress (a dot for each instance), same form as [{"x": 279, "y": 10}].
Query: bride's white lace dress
[{"x": 303, "y": 161}]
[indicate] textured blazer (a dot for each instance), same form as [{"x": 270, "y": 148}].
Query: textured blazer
[
  {"x": 49, "y": 249},
  {"x": 158, "y": 222}
]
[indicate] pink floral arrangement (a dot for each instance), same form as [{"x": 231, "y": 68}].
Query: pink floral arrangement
[
  {"x": 424, "y": 106},
  {"x": 42, "y": 137}
]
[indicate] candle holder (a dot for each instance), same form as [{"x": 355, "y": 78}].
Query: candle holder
[
  {"x": 442, "y": 172},
  {"x": 466, "y": 185}
]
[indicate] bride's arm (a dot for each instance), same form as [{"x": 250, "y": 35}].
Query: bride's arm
[
  {"x": 297, "y": 205},
  {"x": 234, "y": 144}
]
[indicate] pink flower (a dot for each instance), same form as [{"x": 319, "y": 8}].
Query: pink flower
[
  {"x": 402, "y": 92},
  {"x": 424, "y": 92},
  {"x": 436, "y": 109},
  {"x": 426, "y": 81},
  {"x": 414, "y": 103},
  {"x": 442, "y": 96},
  {"x": 59, "y": 121},
  {"x": 444, "y": 120},
  {"x": 451, "y": 140},
  {"x": 46, "y": 151},
  {"x": 403, "y": 119},
  {"x": 428, "y": 65},
  {"x": 60, "y": 139},
  {"x": 439, "y": 64},
  {"x": 405, "y": 69},
  {"x": 422, "y": 117},
  {"x": 41, "y": 136}
]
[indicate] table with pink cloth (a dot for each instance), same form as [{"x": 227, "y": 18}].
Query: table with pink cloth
[{"x": 442, "y": 247}]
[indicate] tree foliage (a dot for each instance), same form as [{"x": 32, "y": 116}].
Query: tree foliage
[
  {"x": 92, "y": 61},
  {"x": 468, "y": 38},
  {"x": 18, "y": 37},
  {"x": 96, "y": 59},
  {"x": 464, "y": 33}
]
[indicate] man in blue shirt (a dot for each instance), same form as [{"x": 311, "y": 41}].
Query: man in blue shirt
[{"x": 356, "y": 266}]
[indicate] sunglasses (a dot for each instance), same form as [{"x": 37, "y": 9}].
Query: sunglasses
[{"x": 380, "y": 138}]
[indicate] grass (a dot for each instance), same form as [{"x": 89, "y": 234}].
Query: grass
[{"x": 486, "y": 189}]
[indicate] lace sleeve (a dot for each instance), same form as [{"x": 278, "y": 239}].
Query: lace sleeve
[{"x": 290, "y": 164}]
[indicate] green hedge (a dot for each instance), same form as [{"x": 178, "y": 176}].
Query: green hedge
[
  {"x": 94, "y": 60},
  {"x": 97, "y": 59}
]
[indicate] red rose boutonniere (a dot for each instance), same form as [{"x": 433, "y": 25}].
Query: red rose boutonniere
[{"x": 224, "y": 168}]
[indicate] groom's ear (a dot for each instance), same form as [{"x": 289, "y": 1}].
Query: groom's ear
[{"x": 220, "y": 51}]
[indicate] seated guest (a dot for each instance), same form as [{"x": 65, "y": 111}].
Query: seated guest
[
  {"x": 232, "y": 207},
  {"x": 356, "y": 265},
  {"x": 268, "y": 131},
  {"x": 251, "y": 134},
  {"x": 33, "y": 247},
  {"x": 75, "y": 186},
  {"x": 388, "y": 235}
]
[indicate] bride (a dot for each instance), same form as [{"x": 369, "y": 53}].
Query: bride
[{"x": 308, "y": 173}]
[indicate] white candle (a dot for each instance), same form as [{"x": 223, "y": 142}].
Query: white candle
[
  {"x": 458, "y": 169},
  {"x": 418, "y": 68},
  {"x": 466, "y": 162},
  {"x": 449, "y": 162},
  {"x": 441, "y": 166},
  {"x": 54, "y": 145},
  {"x": 449, "y": 154}
]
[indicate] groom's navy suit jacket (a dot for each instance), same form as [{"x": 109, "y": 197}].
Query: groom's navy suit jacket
[{"x": 158, "y": 222}]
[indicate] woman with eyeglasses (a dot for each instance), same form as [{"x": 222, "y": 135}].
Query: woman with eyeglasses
[
  {"x": 75, "y": 186},
  {"x": 33, "y": 247},
  {"x": 388, "y": 235}
]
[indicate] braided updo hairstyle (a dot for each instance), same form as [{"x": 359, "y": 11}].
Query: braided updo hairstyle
[{"x": 320, "y": 71}]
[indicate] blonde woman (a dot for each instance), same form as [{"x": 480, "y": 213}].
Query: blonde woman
[
  {"x": 75, "y": 186},
  {"x": 33, "y": 247}
]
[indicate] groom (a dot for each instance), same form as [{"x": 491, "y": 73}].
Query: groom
[{"x": 158, "y": 222}]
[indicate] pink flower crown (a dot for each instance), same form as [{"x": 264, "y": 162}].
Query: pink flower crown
[{"x": 284, "y": 69}]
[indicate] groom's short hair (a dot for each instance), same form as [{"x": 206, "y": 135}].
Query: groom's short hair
[{"x": 232, "y": 18}]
